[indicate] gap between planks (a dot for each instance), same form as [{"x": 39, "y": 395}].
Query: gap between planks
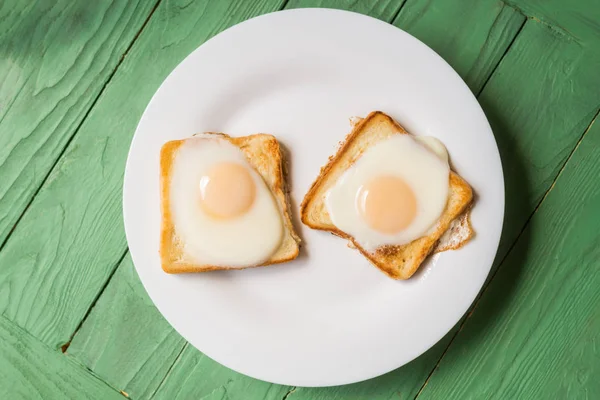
[
  {"x": 86, "y": 114},
  {"x": 518, "y": 236},
  {"x": 503, "y": 54},
  {"x": 66, "y": 345},
  {"x": 554, "y": 28},
  {"x": 76, "y": 362},
  {"x": 513, "y": 244},
  {"x": 292, "y": 390},
  {"x": 393, "y": 20},
  {"x": 162, "y": 381}
]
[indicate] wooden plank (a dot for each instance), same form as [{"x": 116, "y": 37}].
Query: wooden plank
[
  {"x": 384, "y": 10},
  {"x": 122, "y": 322},
  {"x": 31, "y": 370},
  {"x": 535, "y": 333},
  {"x": 71, "y": 238},
  {"x": 579, "y": 19},
  {"x": 195, "y": 376},
  {"x": 471, "y": 36},
  {"x": 56, "y": 58}
]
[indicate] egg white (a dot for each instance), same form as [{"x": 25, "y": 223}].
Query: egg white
[
  {"x": 246, "y": 240},
  {"x": 424, "y": 169}
]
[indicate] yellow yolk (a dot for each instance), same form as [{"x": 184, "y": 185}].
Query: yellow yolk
[
  {"x": 227, "y": 190},
  {"x": 387, "y": 204}
]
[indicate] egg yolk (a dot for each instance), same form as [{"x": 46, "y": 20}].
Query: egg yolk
[
  {"x": 227, "y": 190},
  {"x": 387, "y": 204}
]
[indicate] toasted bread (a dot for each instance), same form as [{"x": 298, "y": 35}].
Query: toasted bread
[
  {"x": 460, "y": 231},
  {"x": 458, "y": 234},
  {"x": 397, "y": 261},
  {"x": 265, "y": 156}
]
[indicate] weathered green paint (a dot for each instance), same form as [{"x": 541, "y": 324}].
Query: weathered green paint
[
  {"x": 31, "y": 370},
  {"x": 123, "y": 322},
  {"x": 535, "y": 332},
  {"x": 195, "y": 376},
  {"x": 539, "y": 102},
  {"x": 472, "y": 35},
  {"x": 536, "y": 342},
  {"x": 55, "y": 58},
  {"x": 71, "y": 238},
  {"x": 579, "y": 19}
]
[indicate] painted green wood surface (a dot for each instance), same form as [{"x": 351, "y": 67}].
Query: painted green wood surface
[
  {"x": 579, "y": 19},
  {"x": 195, "y": 376},
  {"x": 30, "y": 370},
  {"x": 71, "y": 238},
  {"x": 122, "y": 322},
  {"x": 539, "y": 100},
  {"x": 536, "y": 331},
  {"x": 474, "y": 47},
  {"x": 407, "y": 380},
  {"x": 55, "y": 58}
]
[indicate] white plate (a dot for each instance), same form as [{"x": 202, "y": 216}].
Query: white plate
[{"x": 328, "y": 318}]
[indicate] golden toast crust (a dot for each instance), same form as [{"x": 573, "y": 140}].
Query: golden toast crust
[
  {"x": 398, "y": 262},
  {"x": 265, "y": 156}
]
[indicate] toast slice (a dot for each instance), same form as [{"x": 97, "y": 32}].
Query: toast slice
[
  {"x": 397, "y": 261},
  {"x": 265, "y": 155},
  {"x": 460, "y": 231}
]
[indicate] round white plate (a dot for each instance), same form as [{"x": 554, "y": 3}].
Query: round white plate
[{"x": 329, "y": 317}]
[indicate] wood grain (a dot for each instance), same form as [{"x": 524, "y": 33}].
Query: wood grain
[
  {"x": 472, "y": 35},
  {"x": 535, "y": 332},
  {"x": 31, "y": 370},
  {"x": 578, "y": 19},
  {"x": 539, "y": 101},
  {"x": 122, "y": 322},
  {"x": 195, "y": 376},
  {"x": 71, "y": 238},
  {"x": 55, "y": 58}
]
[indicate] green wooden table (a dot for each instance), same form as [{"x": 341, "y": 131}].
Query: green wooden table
[{"x": 75, "y": 77}]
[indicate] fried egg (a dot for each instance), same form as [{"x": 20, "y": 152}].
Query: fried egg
[
  {"x": 223, "y": 212},
  {"x": 393, "y": 194}
]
